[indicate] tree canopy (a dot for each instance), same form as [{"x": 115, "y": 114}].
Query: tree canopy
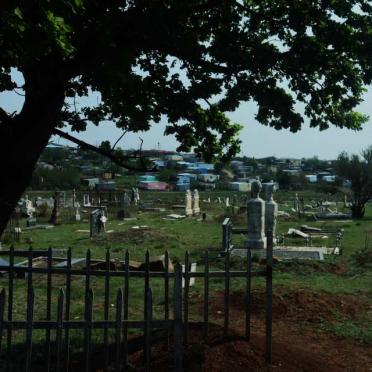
[{"x": 192, "y": 61}]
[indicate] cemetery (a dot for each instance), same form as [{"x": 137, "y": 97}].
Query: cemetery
[
  {"x": 185, "y": 186},
  {"x": 98, "y": 240}
]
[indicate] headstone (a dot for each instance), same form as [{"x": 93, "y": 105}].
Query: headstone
[
  {"x": 135, "y": 195},
  {"x": 77, "y": 214},
  {"x": 227, "y": 202},
  {"x": 297, "y": 204},
  {"x": 86, "y": 200},
  {"x": 26, "y": 207},
  {"x": 74, "y": 198},
  {"x": 256, "y": 218},
  {"x": 55, "y": 212},
  {"x": 31, "y": 221},
  {"x": 219, "y": 200},
  {"x": 103, "y": 220},
  {"x": 126, "y": 200},
  {"x": 271, "y": 212},
  {"x": 188, "y": 203},
  {"x": 196, "y": 207},
  {"x": 97, "y": 222}
]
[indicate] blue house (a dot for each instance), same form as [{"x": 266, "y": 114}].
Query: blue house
[{"x": 147, "y": 178}]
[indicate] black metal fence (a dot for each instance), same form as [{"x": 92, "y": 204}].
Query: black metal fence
[{"x": 57, "y": 325}]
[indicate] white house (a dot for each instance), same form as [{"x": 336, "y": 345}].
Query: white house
[
  {"x": 311, "y": 178},
  {"x": 240, "y": 186},
  {"x": 208, "y": 177}
]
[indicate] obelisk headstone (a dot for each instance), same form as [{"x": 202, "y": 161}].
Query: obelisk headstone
[
  {"x": 256, "y": 218},
  {"x": 271, "y": 212}
]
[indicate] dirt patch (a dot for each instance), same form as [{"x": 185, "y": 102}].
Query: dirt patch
[
  {"x": 294, "y": 349},
  {"x": 135, "y": 236},
  {"x": 297, "y": 346},
  {"x": 299, "y": 305},
  {"x": 308, "y": 267}
]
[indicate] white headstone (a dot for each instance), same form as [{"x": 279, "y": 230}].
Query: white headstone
[
  {"x": 188, "y": 203},
  {"x": 227, "y": 202},
  {"x": 196, "y": 207}
]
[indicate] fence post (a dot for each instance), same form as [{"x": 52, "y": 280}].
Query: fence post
[
  {"x": 29, "y": 328},
  {"x": 226, "y": 232},
  {"x": 206, "y": 293},
  {"x": 178, "y": 318},
  {"x": 227, "y": 294},
  {"x": 147, "y": 325},
  {"x": 186, "y": 282},
  {"x": 248, "y": 308},
  {"x": 10, "y": 308},
  {"x": 2, "y": 310},
  {"x": 118, "y": 325},
  {"x": 269, "y": 296},
  {"x": 59, "y": 330}
]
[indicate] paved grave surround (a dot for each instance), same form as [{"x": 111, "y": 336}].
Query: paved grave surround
[{"x": 287, "y": 253}]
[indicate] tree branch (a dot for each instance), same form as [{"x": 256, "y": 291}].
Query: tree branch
[
  {"x": 121, "y": 161},
  {"x": 4, "y": 116},
  {"x": 118, "y": 140}
]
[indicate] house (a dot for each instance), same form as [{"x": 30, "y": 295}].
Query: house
[
  {"x": 147, "y": 178},
  {"x": 311, "y": 178},
  {"x": 174, "y": 157},
  {"x": 184, "y": 180},
  {"x": 160, "y": 164},
  {"x": 208, "y": 177},
  {"x": 329, "y": 179},
  {"x": 153, "y": 185},
  {"x": 240, "y": 186},
  {"x": 292, "y": 172},
  {"x": 105, "y": 185},
  {"x": 108, "y": 175},
  {"x": 45, "y": 165},
  {"x": 91, "y": 182},
  {"x": 190, "y": 176}
]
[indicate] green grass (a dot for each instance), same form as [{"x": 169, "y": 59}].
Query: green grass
[{"x": 196, "y": 237}]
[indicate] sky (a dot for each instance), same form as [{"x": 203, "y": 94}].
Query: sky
[{"x": 257, "y": 140}]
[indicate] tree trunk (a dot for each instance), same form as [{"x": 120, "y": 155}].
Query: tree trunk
[
  {"x": 357, "y": 210},
  {"x": 25, "y": 136}
]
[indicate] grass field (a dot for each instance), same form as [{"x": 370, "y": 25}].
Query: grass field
[{"x": 347, "y": 274}]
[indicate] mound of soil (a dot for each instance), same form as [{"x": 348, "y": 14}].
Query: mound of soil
[
  {"x": 136, "y": 236},
  {"x": 306, "y": 267}
]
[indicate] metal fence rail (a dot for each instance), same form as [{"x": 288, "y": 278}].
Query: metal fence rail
[{"x": 57, "y": 327}]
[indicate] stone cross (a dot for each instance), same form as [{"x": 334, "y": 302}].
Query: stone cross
[
  {"x": 196, "y": 207},
  {"x": 188, "y": 203},
  {"x": 256, "y": 218}
]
